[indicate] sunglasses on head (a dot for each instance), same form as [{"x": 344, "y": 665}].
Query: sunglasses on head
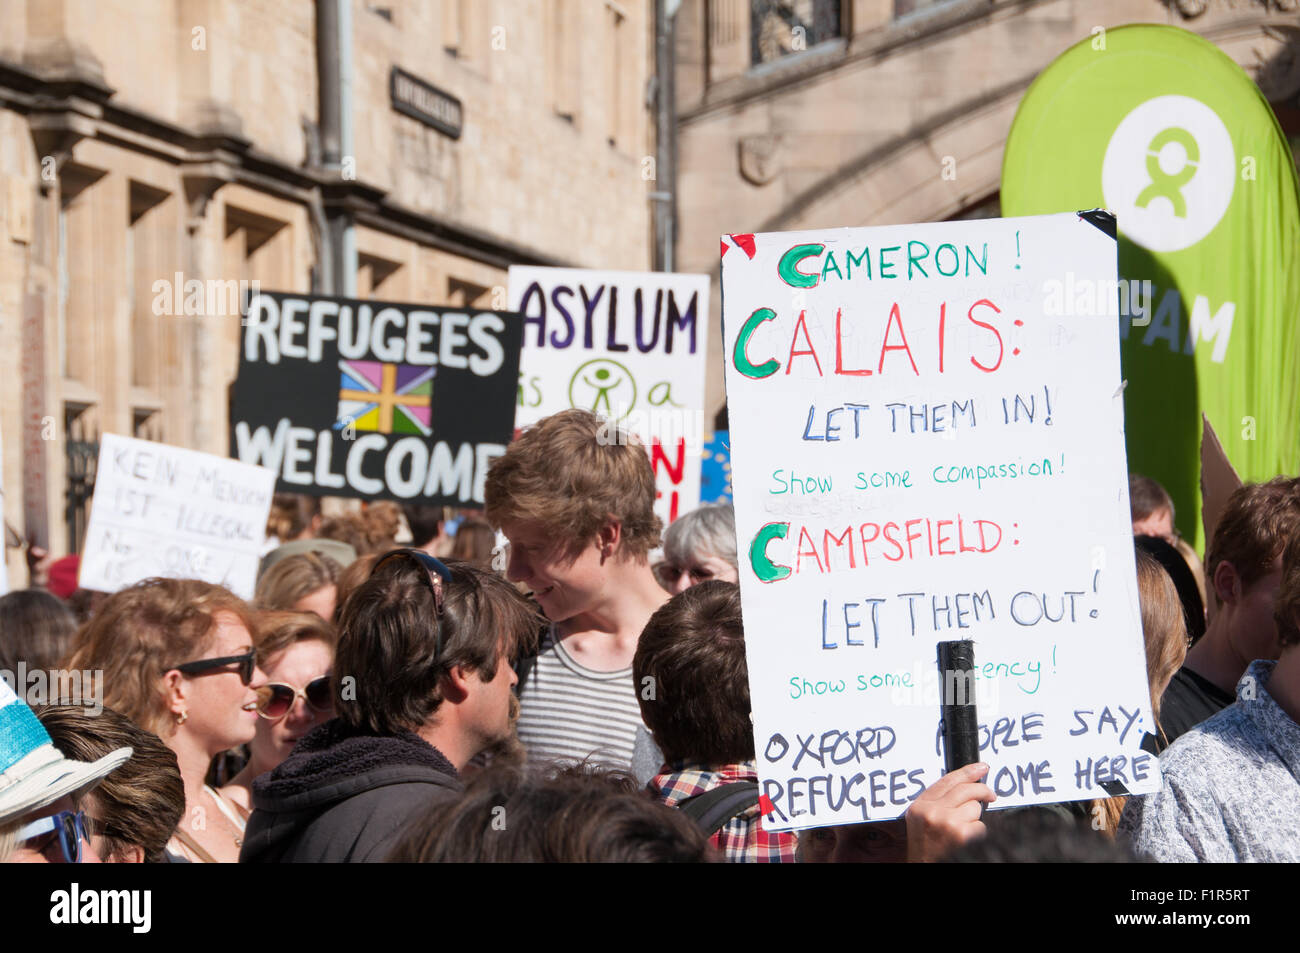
[
  {"x": 72, "y": 830},
  {"x": 426, "y": 565},
  {"x": 246, "y": 663},
  {"x": 275, "y": 699}
]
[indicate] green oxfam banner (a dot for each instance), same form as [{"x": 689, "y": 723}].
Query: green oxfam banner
[{"x": 1166, "y": 131}]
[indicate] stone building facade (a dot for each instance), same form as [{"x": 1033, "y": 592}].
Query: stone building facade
[
  {"x": 800, "y": 114},
  {"x": 157, "y": 157}
]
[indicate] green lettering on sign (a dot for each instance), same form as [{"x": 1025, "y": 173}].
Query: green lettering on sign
[
  {"x": 788, "y": 267},
  {"x": 740, "y": 356},
  {"x": 764, "y": 568}
]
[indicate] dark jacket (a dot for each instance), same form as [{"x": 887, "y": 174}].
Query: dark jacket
[{"x": 344, "y": 796}]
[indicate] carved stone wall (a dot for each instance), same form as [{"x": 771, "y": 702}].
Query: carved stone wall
[{"x": 901, "y": 119}]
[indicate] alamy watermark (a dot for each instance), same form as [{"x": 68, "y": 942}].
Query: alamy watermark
[
  {"x": 667, "y": 426},
  {"x": 1090, "y": 297},
  {"x": 202, "y": 297},
  {"x": 83, "y": 688}
]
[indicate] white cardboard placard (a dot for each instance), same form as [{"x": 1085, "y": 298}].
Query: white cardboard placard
[
  {"x": 629, "y": 346},
  {"x": 167, "y": 511},
  {"x": 928, "y": 444}
]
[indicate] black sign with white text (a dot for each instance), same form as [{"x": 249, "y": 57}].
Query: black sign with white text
[{"x": 373, "y": 399}]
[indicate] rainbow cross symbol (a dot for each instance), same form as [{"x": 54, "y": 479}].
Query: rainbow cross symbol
[{"x": 385, "y": 398}]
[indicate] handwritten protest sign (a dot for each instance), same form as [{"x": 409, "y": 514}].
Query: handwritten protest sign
[
  {"x": 374, "y": 399},
  {"x": 166, "y": 511},
  {"x": 626, "y": 345},
  {"x": 715, "y": 469},
  {"x": 927, "y": 444}
]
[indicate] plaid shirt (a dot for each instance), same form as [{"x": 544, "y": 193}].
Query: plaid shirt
[{"x": 742, "y": 839}]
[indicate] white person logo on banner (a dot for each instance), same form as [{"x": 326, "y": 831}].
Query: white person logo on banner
[
  {"x": 628, "y": 346},
  {"x": 925, "y": 449}
]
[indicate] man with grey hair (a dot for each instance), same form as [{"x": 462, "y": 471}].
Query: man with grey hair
[{"x": 700, "y": 545}]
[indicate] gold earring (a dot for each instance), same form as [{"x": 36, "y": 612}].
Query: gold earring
[{"x": 182, "y": 718}]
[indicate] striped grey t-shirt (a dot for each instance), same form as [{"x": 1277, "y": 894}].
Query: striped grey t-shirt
[{"x": 568, "y": 712}]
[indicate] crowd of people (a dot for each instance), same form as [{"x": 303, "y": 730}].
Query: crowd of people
[{"x": 402, "y": 688}]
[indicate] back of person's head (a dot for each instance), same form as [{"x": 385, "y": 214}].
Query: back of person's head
[
  {"x": 1184, "y": 581},
  {"x": 424, "y": 522},
  {"x": 347, "y": 528},
  {"x": 1038, "y": 836},
  {"x": 292, "y": 516},
  {"x": 357, "y": 572},
  {"x": 511, "y": 814},
  {"x": 1164, "y": 629},
  {"x": 474, "y": 542},
  {"x": 1197, "y": 569},
  {"x": 1287, "y": 612},
  {"x": 389, "y": 636},
  {"x": 696, "y": 703},
  {"x": 141, "y": 632},
  {"x": 382, "y": 521},
  {"x": 1147, "y": 498},
  {"x": 139, "y": 804},
  {"x": 571, "y": 473},
  {"x": 1256, "y": 523},
  {"x": 294, "y": 578},
  {"x": 35, "y": 628},
  {"x": 709, "y": 530},
  {"x": 278, "y": 630}
]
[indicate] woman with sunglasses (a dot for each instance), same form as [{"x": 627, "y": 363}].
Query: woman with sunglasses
[
  {"x": 177, "y": 657},
  {"x": 296, "y": 650}
]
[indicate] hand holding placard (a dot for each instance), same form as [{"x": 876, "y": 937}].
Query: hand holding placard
[{"x": 948, "y": 814}]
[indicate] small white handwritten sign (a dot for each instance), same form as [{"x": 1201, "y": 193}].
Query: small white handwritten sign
[{"x": 166, "y": 511}]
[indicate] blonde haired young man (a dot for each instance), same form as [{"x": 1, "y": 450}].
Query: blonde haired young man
[{"x": 575, "y": 498}]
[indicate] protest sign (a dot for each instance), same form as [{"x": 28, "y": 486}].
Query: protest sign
[
  {"x": 1219, "y": 480},
  {"x": 167, "y": 511},
  {"x": 1162, "y": 127},
  {"x": 626, "y": 345},
  {"x": 926, "y": 446},
  {"x": 374, "y": 399},
  {"x": 715, "y": 469}
]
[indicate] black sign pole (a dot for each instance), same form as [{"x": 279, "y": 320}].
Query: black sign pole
[{"x": 961, "y": 739}]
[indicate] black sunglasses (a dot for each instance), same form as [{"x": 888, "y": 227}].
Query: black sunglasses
[
  {"x": 246, "y": 663},
  {"x": 275, "y": 699},
  {"x": 426, "y": 564}
]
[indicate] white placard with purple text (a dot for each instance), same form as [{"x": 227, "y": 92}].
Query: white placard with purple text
[
  {"x": 629, "y": 346},
  {"x": 166, "y": 511},
  {"x": 927, "y": 442}
]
